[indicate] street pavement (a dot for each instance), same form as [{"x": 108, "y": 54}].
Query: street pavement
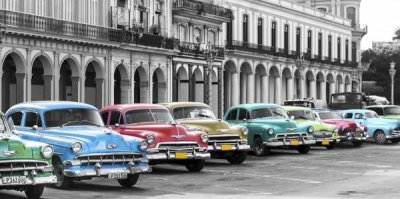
[{"x": 371, "y": 171}]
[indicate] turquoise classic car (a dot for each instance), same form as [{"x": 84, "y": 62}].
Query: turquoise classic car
[
  {"x": 83, "y": 147},
  {"x": 270, "y": 127},
  {"x": 386, "y": 111}
]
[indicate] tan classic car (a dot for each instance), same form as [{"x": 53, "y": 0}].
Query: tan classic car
[{"x": 225, "y": 140}]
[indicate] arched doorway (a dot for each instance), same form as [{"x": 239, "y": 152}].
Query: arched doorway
[
  {"x": 141, "y": 85},
  {"x": 245, "y": 83},
  {"x": 287, "y": 84},
  {"x": 69, "y": 81},
  {"x": 183, "y": 85},
  {"x": 274, "y": 85},
  {"x": 355, "y": 86},
  {"x": 340, "y": 84},
  {"x": 198, "y": 89},
  {"x": 94, "y": 84},
  {"x": 159, "y": 86},
  {"x": 121, "y": 85},
  {"x": 12, "y": 81},
  {"x": 310, "y": 85},
  {"x": 261, "y": 84},
  {"x": 230, "y": 81},
  {"x": 347, "y": 83},
  {"x": 41, "y": 79}
]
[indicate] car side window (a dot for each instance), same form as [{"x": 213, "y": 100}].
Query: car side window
[
  {"x": 104, "y": 117},
  {"x": 377, "y": 110},
  {"x": 243, "y": 114},
  {"x": 17, "y": 118},
  {"x": 348, "y": 115},
  {"x": 32, "y": 119},
  {"x": 232, "y": 115},
  {"x": 358, "y": 116},
  {"x": 116, "y": 118}
]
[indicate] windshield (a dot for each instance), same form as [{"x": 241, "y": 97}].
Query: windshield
[
  {"x": 371, "y": 114},
  {"x": 72, "y": 116},
  {"x": 328, "y": 115},
  {"x": 305, "y": 115},
  {"x": 261, "y": 113},
  {"x": 279, "y": 112},
  {"x": 392, "y": 111},
  {"x": 148, "y": 115},
  {"x": 193, "y": 113}
]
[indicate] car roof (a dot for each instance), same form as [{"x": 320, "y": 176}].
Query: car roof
[
  {"x": 50, "y": 105},
  {"x": 319, "y": 110},
  {"x": 382, "y": 106},
  {"x": 296, "y": 108},
  {"x": 357, "y": 110},
  {"x": 128, "y": 107},
  {"x": 256, "y": 106},
  {"x": 173, "y": 105}
]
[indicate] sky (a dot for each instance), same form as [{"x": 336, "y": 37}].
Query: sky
[{"x": 382, "y": 18}]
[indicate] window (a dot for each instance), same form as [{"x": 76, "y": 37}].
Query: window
[
  {"x": 243, "y": 114},
  {"x": 273, "y": 35},
  {"x": 261, "y": 113},
  {"x": 192, "y": 112},
  {"x": 309, "y": 42},
  {"x": 259, "y": 31},
  {"x": 322, "y": 9},
  {"x": 286, "y": 37},
  {"x": 149, "y": 116},
  {"x": 121, "y": 3},
  {"x": 338, "y": 48},
  {"x": 32, "y": 119},
  {"x": 245, "y": 28},
  {"x": 358, "y": 116},
  {"x": 330, "y": 47},
  {"x": 347, "y": 49},
  {"x": 351, "y": 14},
  {"x": 232, "y": 115},
  {"x": 353, "y": 51},
  {"x": 104, "y": 117},
  {"x": 320, "y": 45},
  {"x": 72, "y": 116},
  {"x": 229, "y": 33},
  {"x": 17, "y": 118},
  {"x": 298, "y": 40},
  {"x": 116, "y": 118},
  {"x": 348, "y": 116}
]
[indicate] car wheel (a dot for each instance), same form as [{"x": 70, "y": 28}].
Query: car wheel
[
  {"x": 395, "y": 141},
  {"x": 237, "y": 157},
  {"x": 331, "y": 145},
  {"x": 34, "y": 191},
  {"x": 357, "y": 143},
  {"x": 259, "y": 147},
  {"x": 195, "y": 165},
  {"x": 63, "y": 182},
  {"x": 380, "y": 137},
  {"x": 130, "y": 181},
  {"x": 304, "y": 149}
]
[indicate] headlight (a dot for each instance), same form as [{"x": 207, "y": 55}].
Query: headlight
[
  {"x": 245, "y": 131},
  {"x": 150, "y": 138},
  {"x": 271, "y": 131},
  {"x": 204, "y": 138},
  {"x": 47, "y": 151},
  {"x": 310, "y": 129},
  {"x": 143, "y": 145},
  {"x": 76, "y": 147}
]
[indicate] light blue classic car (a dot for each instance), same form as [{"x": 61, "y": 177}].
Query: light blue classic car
[
  {"x": 83, "y": 147},
  {"x": 270, "y": 127},
  {"x": 382, "y": 130}
]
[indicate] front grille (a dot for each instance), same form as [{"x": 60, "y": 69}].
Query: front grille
[
  {"x": 223, "y": 138},
  {"x": 322, "y": 134},
  {"x": 22, "y": 165},
  {"x": 281, "y": 137},
  {"x": 108, "y": 158},
  {"x": 178, "y": 146}
]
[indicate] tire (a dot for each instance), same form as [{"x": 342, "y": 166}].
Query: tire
[
  {"x": 130, "y": 181},
  {"x": 195, "y": 165},
  {"x": 34, "y": 191},
  {"x": 395, "y": 141},
  {"x": 63, "y": 182},
  {"x": 380, "y": 137},
  {"x": 237, "y": 157},
  {"x": 331, "y": 145},
  {"x": 357, "y": 143},
  {"x": 304, "y": 149},
  {"x": 259, "y": 147}
]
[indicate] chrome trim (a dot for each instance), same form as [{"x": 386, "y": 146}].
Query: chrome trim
[
  {"x": 43, "y": 167},
  {"x": 179, "y": 142},
  {"x": 104, "y": 172},
  {"x": 285, "y": 140},
  {"x": 34, "y": 181},
  {"x": 172, "y": 156}
]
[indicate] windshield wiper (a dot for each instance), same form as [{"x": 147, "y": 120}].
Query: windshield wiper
[{"x": 80, "y": 122}]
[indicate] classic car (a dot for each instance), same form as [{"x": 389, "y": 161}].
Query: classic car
[
  {"x": 270, "y": 127},
  {"x": 386, "y": 111},
  {"x": 380, "y": 129},
  {"x": 224, "y": 140},
  {"x": 24, "y": 165},
  {"x": 348, "y": 131},
  {"x": 83, "y": 147},
  {"x": 168, "y": 142},
  {"x": 324, "y": 134}
]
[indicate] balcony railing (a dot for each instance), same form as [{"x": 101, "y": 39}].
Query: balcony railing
[
  {"x": 201, "y": 7},
  {"x": 197, "y": 49},
  {"x": 56, "y": 27}
]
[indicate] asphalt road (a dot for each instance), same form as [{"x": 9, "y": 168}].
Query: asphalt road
[{"x": 372, "y": 171}]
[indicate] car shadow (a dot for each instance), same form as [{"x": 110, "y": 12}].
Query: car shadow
[{"x": 10, "y": 196}]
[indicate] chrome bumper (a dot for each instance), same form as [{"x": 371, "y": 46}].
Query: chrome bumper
[
  {"x": 34, "y": 181},
  {"x": 104, "y": 172},
  {"x": 306, "y": 140},
  {"x": 330, "y": 139},
  {"x": 171, "y": 155},
  {"x": 395, "y": 134},
  {"x": 351, "y": 138},
  {"x": 237, "y": 146}
]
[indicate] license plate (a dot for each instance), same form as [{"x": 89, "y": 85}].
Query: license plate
[
  {"x": 181, "y": 155},
  {"x": 117, "y": 176},
  {"x": 325, "y": 142},
  {"x": 14, "y": 180},
  {"x": 294, "y": 142},
  {"x": 226, "y": 147}
]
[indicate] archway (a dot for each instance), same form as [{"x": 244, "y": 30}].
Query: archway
[
  {"x": 347, "y": 83},
  {"x": 245, "y": 83},
  {"x": 183, "y": 85},
  {"x": 274, "y": 85},
  {"x": 321, "y": 88},
  {"x": 94, "y": 84},
  {"x": 330, "y": 86},
  {"x": 41, "y": 79},
  {"x": 12, "y": 81},
  {"x": 261, "y": 84},
  {"x": 310, "y": 85},
  {"x": 121, "y": 85},
  {"x": 141, "y": 86},
  {"x": 340, "y": 84},
  {"x": 287, "y": 84},
  {"x": 159, "y": 86},
  {"x": 69, "y": 81},
  {"x": 230, "y": 82},
  {"x": 198, "y": 86}
]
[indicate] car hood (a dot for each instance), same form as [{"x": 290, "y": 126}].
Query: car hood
[
  {"x": 341, "y": 123},
  {"x": 397, "y": 117},
  {"x": 211, "y": 126},
  {"x": 12, "y": 147},
  {"x": 93, "y": 139},
  {"x": 282, "y": 123},
  {"x": 318, "y": 126},
  {"x": 382, "y": 121}
]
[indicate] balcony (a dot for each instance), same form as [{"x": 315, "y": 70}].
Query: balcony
[
  {"x": 359, "y": 29},
  {"x": 201, "y": 10},
  {"x": 55, "y": 28},
  {"x": 196, "y": 49}
]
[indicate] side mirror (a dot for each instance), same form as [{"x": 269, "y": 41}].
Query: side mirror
[
  {"x": 116, "y": 125},
  {"x": 244, "y": 120},
  {"x": 292, "y": 117},
  {"x": 35, "y": 127}
]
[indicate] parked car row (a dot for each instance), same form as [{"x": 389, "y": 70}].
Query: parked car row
[{"x": 59, "y": 142}]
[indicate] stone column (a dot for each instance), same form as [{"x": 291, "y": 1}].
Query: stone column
[
  {"x": 99, "y": 92},
  {"x": 21, "y": 87},
  {"x": 290, "y": 88},
  {"x": 250, "y": 88},
  {"x": 313, "y": 89},
  {"x": 278, "y": 89},
  {"x": 302, "y": 85},
  {"x": 264, "y": 88},
  {"x": 243, "y": 87},
  {"x": 220, "y": 92},
  {"x": 332, "y": 88},
  {"x": 323, "y": 90},
  {"x": 125, "y": 89},
  {"x": 56, "y": 74},
  {"x": 191, "y": 83},
  {"x": 28, "y": 69},
  {"x": 47, "y": 87},
  {"x": 228, "y": 89},
  {"x": 75, "y": 88},
  {"x": 235, "y": 89}
]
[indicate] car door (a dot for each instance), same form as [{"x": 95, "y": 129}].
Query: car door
[
  {"x": 231, "y": 117},
  {"x": 243, "y": 118}
]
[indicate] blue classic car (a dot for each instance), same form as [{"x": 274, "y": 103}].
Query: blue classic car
[
  {"x": 270, "y": 127},
  {"x": 382, "y": 130},
  {"x": 83, "y": 147}
]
